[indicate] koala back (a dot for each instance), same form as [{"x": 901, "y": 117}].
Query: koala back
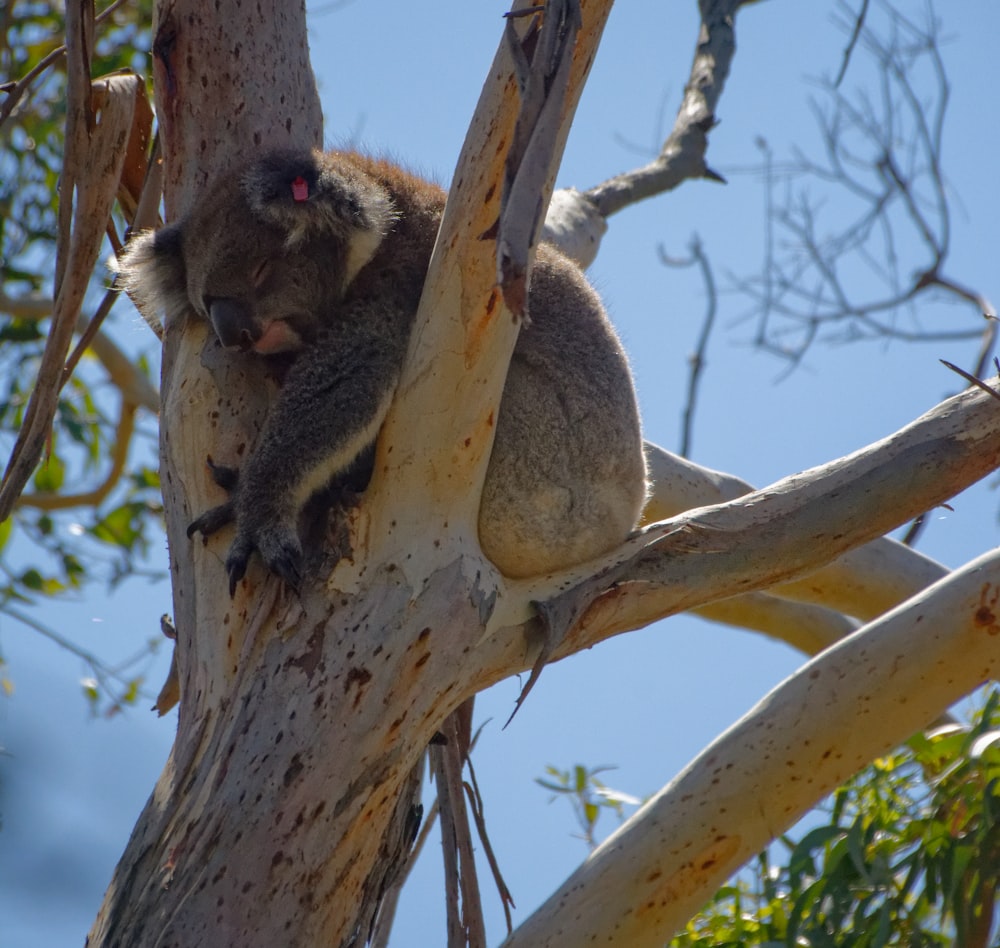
[{"x": 567, "y": 478}]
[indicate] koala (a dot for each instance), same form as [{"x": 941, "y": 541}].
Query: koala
[{"x": 318, "y": 260}]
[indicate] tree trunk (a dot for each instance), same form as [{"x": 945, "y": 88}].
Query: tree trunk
[{"x": 282, "y": 806}]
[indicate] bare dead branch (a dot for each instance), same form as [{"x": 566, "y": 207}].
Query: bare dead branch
[
  {"x": 683, "y": 153},
  {"x": 859, "y": 22},
  {"x": 466, "y": 925},
  {"x": 697, "y": 358},
  {"x": 479, "y": 815},
  {"x": 884, "y": 156}
]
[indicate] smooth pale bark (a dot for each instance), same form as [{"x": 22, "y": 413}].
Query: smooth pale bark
[
  {"x": 863, "y": 583},
  {"x": 854, "y": 702}
]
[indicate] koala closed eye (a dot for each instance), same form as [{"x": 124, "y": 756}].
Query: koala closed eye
[
  {"x": 260, "y": 273},
  {"x": 324, "y": 255}
]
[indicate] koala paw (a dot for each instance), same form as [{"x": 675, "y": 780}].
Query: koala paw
[
  {"x": 263, "y": 531},
  {"x": 280, "y": 549}
]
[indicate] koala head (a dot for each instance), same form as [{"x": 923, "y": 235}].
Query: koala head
[{"x": 265, "y": 252}]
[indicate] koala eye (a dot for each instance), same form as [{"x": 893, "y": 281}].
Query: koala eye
[{"x": 260, "y": 273}]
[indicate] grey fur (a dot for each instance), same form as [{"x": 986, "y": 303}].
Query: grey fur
[{"x": 330, "y": 269}]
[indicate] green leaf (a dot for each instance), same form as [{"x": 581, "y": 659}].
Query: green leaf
[
  {"x": 554, "y": 787},
  {"x": 131, "y": 693},
  {"x": 91, "y": 692},
  {"x": 801, "y": 862},
  {"x": 20, "y": 331},
  {"x": 121, "y": 527},
  {"x": 50, "y": 475}
]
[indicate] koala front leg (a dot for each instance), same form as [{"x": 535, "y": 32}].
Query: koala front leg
[{"x": 328, "y": 413}]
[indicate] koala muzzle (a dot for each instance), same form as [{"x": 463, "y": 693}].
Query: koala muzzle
[{"x": 234, "y": 323}]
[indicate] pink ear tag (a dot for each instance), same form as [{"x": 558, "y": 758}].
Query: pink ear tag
[{"x": 300, "y": 189}]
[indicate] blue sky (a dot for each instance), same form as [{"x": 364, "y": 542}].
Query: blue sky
[{"x": 402, "y": 78}]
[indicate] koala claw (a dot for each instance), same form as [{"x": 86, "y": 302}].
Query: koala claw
[
  {"x": 236, "y": 562},
  {"x": 212, "y": 520},
  {"x": 281, "y": 552},
  {"x": 225, "y": 477}
]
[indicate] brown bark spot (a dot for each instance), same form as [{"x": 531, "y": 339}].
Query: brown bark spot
[
  {"x": 294, "y": 769},
  {"x": 491, "y": 303},
  {"x": 312, "y": 657},
  {"x": 986, "y": 617},
  {"x": 359, "y": 677}
]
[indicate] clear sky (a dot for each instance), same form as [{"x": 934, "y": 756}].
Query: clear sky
[{"x": 402, "y": 78}]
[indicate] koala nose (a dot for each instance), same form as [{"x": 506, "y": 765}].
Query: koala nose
[{"x": 234, "y": 323}]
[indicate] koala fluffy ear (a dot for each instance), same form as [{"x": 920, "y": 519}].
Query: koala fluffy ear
[
  {"x": 312, "y": 194},
  {"x": 151, "y": 271}
]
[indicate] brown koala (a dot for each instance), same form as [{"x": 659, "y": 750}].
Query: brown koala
[{"x": 323, "y": 256}]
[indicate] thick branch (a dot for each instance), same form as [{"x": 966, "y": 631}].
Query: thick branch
[
  {"x": 863, "y": 583},
  {"x": 855, "y": 701}
]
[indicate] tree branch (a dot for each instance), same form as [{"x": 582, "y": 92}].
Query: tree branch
[
  {"x": 864, "y": 582},
  {"x": 683, "y": 153},
  {"x": 92, "y": 498},
  {"x": 852, "y": 703},
  {"x": 92, "y": 170},
  {"x": 577, "y": 220}
]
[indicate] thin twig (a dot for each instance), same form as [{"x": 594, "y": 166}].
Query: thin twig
[
  {"x": 859, "y": 22},
  {"x": 102, "y": 673},
  {"x": 697, "y": 358}
]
